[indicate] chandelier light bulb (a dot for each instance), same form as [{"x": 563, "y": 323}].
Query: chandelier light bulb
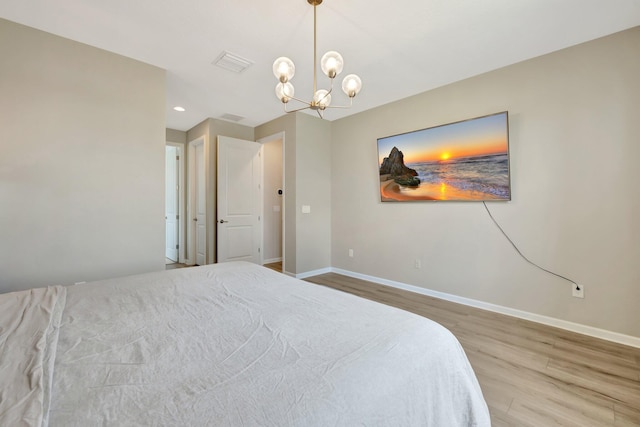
[
  {"x": 283, "y": 69},
  {"x": 351, "y": 85},
  {"x": 331, "y": 63},
  {"x": 322, "y": 99},
  {"x": 284, "y": 92}
]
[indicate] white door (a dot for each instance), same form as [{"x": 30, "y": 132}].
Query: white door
[
  {"x": 200, "y": 205},
  {"x": 239, "y": 200},
  {"x": 197, "y": 204},
  {"x": 171, "y": 203}
]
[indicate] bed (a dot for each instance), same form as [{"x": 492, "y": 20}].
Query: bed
[{"x": 231, "y": 344}]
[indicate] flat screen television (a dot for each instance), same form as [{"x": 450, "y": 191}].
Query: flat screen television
[{"x": 462, "y": 161}]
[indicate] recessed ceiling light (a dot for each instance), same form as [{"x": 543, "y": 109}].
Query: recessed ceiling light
[{"x": 179, "y": 108}]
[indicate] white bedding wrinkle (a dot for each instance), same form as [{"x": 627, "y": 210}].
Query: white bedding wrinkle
[{"x": 29, "y": 323}]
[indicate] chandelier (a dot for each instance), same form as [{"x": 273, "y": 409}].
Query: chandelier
[{"x": 331, "y": 64}]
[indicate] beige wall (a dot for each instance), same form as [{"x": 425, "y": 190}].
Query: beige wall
[
  {"x": 574, "y": 150},
  {"x": 313, "y": 188},
  {"x": 177, "y": 136},
  {"x": 82, "y": 139}
]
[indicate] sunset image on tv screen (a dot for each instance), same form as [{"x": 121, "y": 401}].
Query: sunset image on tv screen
[{"x": 462, "y": 161}]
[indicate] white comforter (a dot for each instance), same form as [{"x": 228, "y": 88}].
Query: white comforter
[{"x": 230, "y": 344}]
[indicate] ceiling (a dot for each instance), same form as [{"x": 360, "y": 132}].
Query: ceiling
[{"x": 399, "y": 48}]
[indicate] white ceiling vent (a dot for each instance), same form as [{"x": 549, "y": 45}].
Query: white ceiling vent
[
  {"x": 232, "y": 62},
  {"x": 231, "y": 117}
]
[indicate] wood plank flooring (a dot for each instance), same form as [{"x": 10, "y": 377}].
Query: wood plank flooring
[
  {"x": 530, "y": 374},
  {"x": 277, "y": 266},
  {"x": 174, "y": 265}
]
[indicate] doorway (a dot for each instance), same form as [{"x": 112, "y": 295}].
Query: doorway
[
  {"x": 274, "y": 202},
  {"x": 197, "y": 203},
  {"x": 202, "y": 234},
  {"x": 174, "y": 202}
]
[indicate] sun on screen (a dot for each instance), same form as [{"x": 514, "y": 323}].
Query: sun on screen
[{"x": 445, "y": 156}]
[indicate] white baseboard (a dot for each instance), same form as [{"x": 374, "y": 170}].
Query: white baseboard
[
  {"x": 269, "y": 261},
  {"x": 550, "y": 321},
  {"x": 314, "y": 273}
]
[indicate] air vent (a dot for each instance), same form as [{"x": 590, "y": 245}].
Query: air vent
[
  {"x": 231, "y": 117},
  {"x": 232, "y": 62}
]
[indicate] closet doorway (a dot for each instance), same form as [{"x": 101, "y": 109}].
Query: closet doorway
[{"x": 274, "y": 201}]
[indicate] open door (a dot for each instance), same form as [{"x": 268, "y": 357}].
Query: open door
[{"x": 239, "y": 200}]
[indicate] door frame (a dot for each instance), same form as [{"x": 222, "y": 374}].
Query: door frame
[
  {"x": 181, "y": 199},
  {"x": 265, "y": 140},
  {"x": 190, "y": 256}
]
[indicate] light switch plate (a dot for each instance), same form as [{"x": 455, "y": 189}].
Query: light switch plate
[{"x": 306, "y": 209}]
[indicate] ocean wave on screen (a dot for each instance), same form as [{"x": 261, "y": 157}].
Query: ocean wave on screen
[{"x": 487, "y": 174}]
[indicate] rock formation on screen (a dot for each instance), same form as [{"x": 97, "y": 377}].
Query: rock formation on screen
[{"x": 394, "y": 167}]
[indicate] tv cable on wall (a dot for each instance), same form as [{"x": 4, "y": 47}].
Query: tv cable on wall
[{"x": 577, "y": 287}]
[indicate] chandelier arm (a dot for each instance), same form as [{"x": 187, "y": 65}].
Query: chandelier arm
[
  {"x": 297, "y": 109},
  {"x": 337, "y": 106},
  {"x": 299, "y": 100},
  {"x": 342, "y": 106}
]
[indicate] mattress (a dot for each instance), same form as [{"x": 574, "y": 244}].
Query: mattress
[{"x": 231, "y": 344}]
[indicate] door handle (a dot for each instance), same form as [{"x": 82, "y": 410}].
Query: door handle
[
  {"x": 195, "y": 219},
  {"x": 222, "y": 221}
]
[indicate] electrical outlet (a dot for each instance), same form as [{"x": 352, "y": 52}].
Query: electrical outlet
[
  {"x": 577, "y": 291},
  {"x": 350, "y": 253},
  {"x": 418, "y": 264}
]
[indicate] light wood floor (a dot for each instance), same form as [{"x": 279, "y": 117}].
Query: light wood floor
[
  {"x": 174, "y": 265},
  {"x": 277, "y": 266},
  {"x": 530, "y": 374}
]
